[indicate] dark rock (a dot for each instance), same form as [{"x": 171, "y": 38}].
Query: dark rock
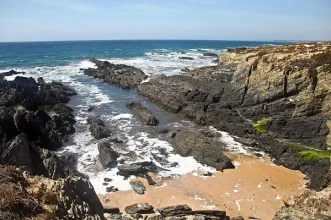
[
  {"x": 210, "y": 54},
  {"x": 150, "y": 180},
  {"x": 208, "y": 174},
  {"x": 162, "y": 130},
  {"x": 246, "y": 141},
  {"x": 107, "y": 156},
  {"x": 107, "y": 179},
  {"x": 17, "y": 153},
  {"x": 119, "y": 75},
  {"x": 98, "y": 128},
  {"x": 110, "y": 209},
  {"x": 209, "y": 213},
  {"x": 136, "y": 216},
  {"x": 115, "y": 139},
  {"x": 77, "y": 193},
  {"x": 11, "y": 72},
  {"x": 111, "y": 189},
  {"x": 137, "y": 168},
  {"x": 156, "y": 217},
  {"x": 216, "y": 61},
  {"x": 177, "y": 210},
  {"x": 258, "y": 155},
  {"x": 190, "y": 143},
  {"x": 90, "y": 108},
  {"x": 142, "y": 208},
  {"x": 208, "y": 217},
  {"x": 237, "y": 218},
  {"x": 145, "y": 114},
  {"x": 186, "y": 58},
  {"x": 138, "y": 187}
]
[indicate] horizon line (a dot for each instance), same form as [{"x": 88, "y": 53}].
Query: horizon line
[{"x": 37, "y": 41}]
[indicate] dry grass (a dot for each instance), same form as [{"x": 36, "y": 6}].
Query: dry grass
[{"x": 18, "y": 203}]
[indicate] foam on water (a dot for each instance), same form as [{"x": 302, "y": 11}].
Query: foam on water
[{"x": 168, "y": 63}]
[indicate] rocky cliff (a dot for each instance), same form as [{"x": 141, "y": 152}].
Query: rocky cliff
[
  {"x": 35, "y": 183},
  {"x": 278, "y": 96}
]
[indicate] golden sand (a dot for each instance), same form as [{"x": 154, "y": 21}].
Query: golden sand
[{"x": 255, "y": 188}]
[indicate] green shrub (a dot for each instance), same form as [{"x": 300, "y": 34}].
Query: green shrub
[{"x": 260, "y": 126}]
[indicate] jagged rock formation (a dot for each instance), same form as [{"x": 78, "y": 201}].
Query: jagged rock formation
[
  {"x": 191, "y": 143},
  {"x": 309, "y": 205},
  {"x": 98, "y": 128},
  {"x": 34, "y": 122},
  {"x": 126, "y": 77},
  {"x": 278, "y": 96},
  {"x": 26, "y": 197},
  {"x": 146, "y": 211}
]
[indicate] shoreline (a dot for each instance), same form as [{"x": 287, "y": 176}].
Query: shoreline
[{"x": 254, "y": 188}]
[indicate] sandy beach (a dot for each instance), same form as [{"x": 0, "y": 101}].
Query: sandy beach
[{"x": 254, "y": 188}]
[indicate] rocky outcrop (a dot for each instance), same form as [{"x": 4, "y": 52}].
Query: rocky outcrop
[
  {"x": 11, "y": 72},
  {"x": 27, "y": 197},
  {"x": 35, "y": 121},
  {"x": 142, "y": 208},
  {"x": 274, "y": 95},
  {"x": 144, "y": 113},
  {"x": 206, "y": 151},
  {"x": 120, "y": 75},
  {"x": 98, "y": 128},
  {"x": 210, "y": 55},
  {"x": 107, "y": 156},
  {"x": 309, "y": 205},
  {"x": 137, "y": 169},
  {"x": 146, "y": 211},
  {"x": 138, "y": 187}
]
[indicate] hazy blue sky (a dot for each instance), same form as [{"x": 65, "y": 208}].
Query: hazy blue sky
[{"x": 33, "y": 20}]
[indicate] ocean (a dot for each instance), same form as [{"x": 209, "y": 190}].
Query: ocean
[{"x": 62, "y": 61}]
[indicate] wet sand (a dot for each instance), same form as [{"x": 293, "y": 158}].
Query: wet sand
[{"x": 254, "y": 188}]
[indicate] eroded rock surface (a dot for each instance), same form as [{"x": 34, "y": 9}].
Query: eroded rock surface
[
  {"x": 275, "y": 95},
  {"x": 120, "y": 75},
  {"x": 206, "y": 151}
]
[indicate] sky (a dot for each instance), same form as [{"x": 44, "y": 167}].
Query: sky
[{"x": 48, "y": 20}]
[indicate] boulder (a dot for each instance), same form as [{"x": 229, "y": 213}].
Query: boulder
[
  {"x": 107, "y": 156},
  {"x": 142, "y": 208},
  {"x": 210, "y": 55},
  {"x": 17, "y": 153},
  {"x": 139, "y": 168},
  {"x": 110, "y": 209},
  {"x": 98, "y": 128},
  {"x": 138, "y": 187},
  {"x": 144, "y": 113},
  {"x": 177, "y": 210},
  {"x": 11, "y": 72},
  {"x": 186, "y": 58},
  {"x": 120, "y": 75},
  {"x": 191, "y": 143}
]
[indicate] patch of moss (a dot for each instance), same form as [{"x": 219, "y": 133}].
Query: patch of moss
[
  {"x": 310, "y": 155},
  {"x": 293, "y": 145},
  {"x": 260, "y": 126}
]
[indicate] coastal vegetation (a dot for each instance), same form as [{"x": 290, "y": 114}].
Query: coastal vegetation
[{"x": 260, "y": 126}]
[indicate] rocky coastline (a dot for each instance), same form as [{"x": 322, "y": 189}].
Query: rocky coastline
[
  {"x": 273, "y": 99},
  {"x": 277, "y": 96}
]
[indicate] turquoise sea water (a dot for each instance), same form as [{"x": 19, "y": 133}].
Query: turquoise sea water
[{"x": 33, "y": 54}]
